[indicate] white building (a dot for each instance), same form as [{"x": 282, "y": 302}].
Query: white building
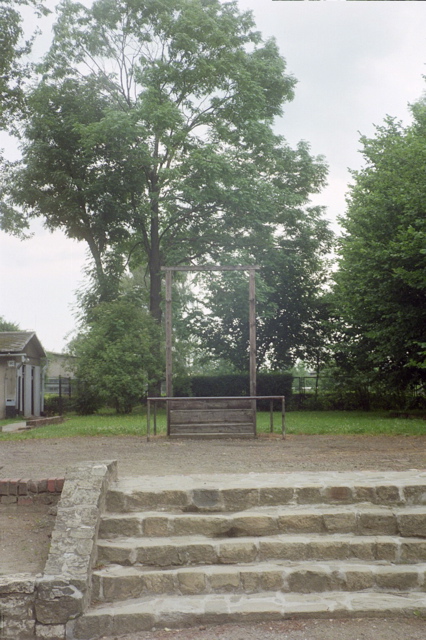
[{"x": 21, "y": 374}]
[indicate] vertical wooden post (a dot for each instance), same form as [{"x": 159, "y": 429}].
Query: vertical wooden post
[
  {"x": 148, "y": 420},
  {"x": 252, "y": 326},
  {"x": 169, "y": 384}
]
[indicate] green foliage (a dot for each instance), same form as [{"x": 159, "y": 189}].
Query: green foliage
[
  {"x": 381, "y": 283},
  {"x": 54, "y": 405},
  {"x": 15, "y": 71},
  {"x": 5, "y": 325},
  {"x": 115, "y": 357},
  {"x": 268, "y": 384},
  {"x": 150, "y": 138}
]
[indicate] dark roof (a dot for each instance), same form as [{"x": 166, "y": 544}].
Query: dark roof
[{"x": 16, "y": 341}]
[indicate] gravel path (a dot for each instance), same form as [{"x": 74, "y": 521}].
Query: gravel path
[{"x": 37, "y": 459}]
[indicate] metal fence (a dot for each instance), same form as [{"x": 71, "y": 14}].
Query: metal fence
[{"x": 60, "y": 386}]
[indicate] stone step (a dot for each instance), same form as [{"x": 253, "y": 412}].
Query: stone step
[
  {"x": 238, "y": 492},
  {"x": 121, "y": 583},
  {"x": 114, "y": 619},
  {"x": 359, "y": 519},
  {"x": 190, "y": 550}
]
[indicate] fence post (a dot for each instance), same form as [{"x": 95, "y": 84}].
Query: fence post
[{"x": 61, "y": 408}]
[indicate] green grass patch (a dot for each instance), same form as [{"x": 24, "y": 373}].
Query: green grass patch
[{"x": 107, "y": 423}]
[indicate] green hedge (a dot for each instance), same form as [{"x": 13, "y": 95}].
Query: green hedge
[{"x": 268, "y": 384}]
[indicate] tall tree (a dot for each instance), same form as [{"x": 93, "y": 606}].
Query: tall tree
[
  {"x": 291, "y": 307},
  {"x": 381, "y": 283},
  {"x": 15, "y": 70},
  {"x": 182, "y": 96}
]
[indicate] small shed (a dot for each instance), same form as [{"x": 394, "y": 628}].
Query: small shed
[{"x": 21, "y": 374}]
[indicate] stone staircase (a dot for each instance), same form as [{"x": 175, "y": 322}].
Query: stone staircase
[{"x": 188, "y": 550}]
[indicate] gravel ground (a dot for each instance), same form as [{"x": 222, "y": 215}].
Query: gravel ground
[{"x": 24, "y": 532}]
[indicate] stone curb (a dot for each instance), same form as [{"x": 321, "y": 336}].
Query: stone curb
[
  {"x": 63, "y": 591},
  {"x": 40, "y": 606}
]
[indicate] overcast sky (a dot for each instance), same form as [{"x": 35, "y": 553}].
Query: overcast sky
[{"x": 355, "y": 62}]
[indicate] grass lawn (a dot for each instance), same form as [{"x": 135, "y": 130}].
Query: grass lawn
[{"x": 297, "y": 422}]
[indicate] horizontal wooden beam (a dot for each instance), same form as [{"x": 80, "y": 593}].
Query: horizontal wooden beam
[{"x": 213, "y": 268}]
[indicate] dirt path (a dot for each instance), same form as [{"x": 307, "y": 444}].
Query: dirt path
[
  {"x": 37, "y": 459},
  {"x": 24, "y": 532}
]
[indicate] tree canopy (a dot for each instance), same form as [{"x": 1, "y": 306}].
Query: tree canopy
[
  {"x": 381, "y": 282},
  {"x": 150, "y": 137}
]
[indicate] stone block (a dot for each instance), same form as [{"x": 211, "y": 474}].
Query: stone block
[
  {"x": 57, "y": 600},
  {"x": 118, "y": 555},
  {"x": 388, "y": 494},
  {"x": 237, "y": 552},
  {"x": 191, "y": 582},
  {"x": 239, "y": 499},
  {"x": 4, "y": 487},
  {"x": 250, "y": 581},
  {"x": 156, "y": 582},
  {"x": 309, "y": 495},
  {"x": 395, "y": 578},
  {"x": 254, "y": 526},
  {"x": 50, "y": 632},
  {"x": 23, "y": 487},
  {"x": 387, "y": 550},
  {"x": 121, "y": 587},
  {"x": 285, "y": 549},
  {"x": 312, "y": 581},
  {"x": 160, "y": 555},
  {"x": 110, "y": 527},
  {"x": 362, "y": 549},
  {"x": 9, "y": 499},
  {"x": 359, "y": 579},
  {"x": 132, "y": 623},
  {"x": 338, "y": 494},
  {"x": 199, "y": 525},
  {"x": 226, "y": 580},
  {"x": 206, "y": 499},
  {"x": 344, "y": 522},
  {"x": 412, "y": 524},
  {"x": 200, "y": 553},
  {"x": 90, "y": 626},
  {"x": 364, "y": 494},
  {"x": 295, "y": 522},
  {"x": 13, "y": 487},
  {"x": 271, "y": 580},
  {"x": 377, "y": 524},
  {"x": 19, "y": 583},
  {"x": 275, "y": 496},
  {"x": 155, "y": 526},
  {"x": 413, "y": 552},
  {"x": 329, "y": 549},
  {"x": 415, "y": 494}
]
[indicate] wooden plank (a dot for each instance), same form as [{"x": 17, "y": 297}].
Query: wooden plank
[
  {"x": 252, "y": 332},
  {"x": 169, "y": 383},
  {"x": 212, "y": 268},
  {"x": 227, "y": 416},
  {"x": 212, "y": 428},
  {"x": 190, "y": 405},
  {"x": 212, "y": 436},
  {"x": 211, "y": 425}
]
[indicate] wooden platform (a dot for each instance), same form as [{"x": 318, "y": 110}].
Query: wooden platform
[{"x": 211, "y": 418}]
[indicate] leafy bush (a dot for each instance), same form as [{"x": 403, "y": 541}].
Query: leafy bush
[
  {"x": 268, "y": 384},
  {"x": 115, "y": 357}
]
